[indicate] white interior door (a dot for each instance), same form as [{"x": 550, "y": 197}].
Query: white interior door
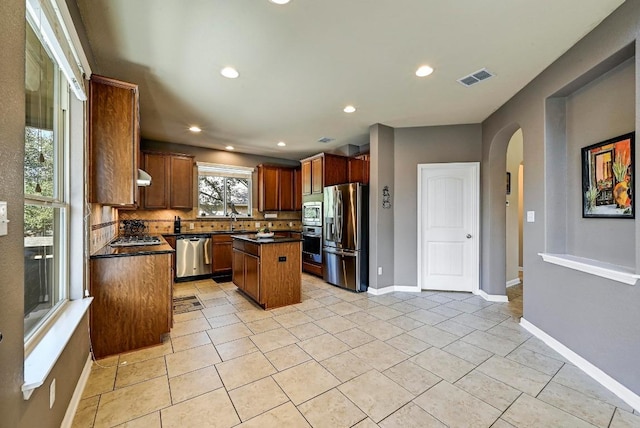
[{"x": 448, "y": 224}]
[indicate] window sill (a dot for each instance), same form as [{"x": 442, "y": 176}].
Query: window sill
[
  {"x": 593, "y": 267},
  {"x": 45, "y": 354}
]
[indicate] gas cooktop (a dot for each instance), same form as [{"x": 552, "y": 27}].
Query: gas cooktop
[{"x": 132, "y": 241}]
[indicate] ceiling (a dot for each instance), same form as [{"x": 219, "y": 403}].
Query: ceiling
[{"x": 300, "y": 64}]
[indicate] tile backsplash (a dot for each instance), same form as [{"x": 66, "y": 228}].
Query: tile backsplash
[
  {"x": 161, "y": 221},
  {"x": 104, "y": 226}
]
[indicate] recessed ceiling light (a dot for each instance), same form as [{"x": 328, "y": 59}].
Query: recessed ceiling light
[
  {"x": 424, "y": 70},
  {"x": 280, "y": 1},
  {"x": 229, "y": 72},
  {"x": 229, "y": 147},
  {"x": 349, "y": 109},
  {"x": 282, "y": 143},
  {"x": 195, "y": 129}
]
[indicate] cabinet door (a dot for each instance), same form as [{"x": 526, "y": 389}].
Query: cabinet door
[
  {"x": 222, "y": 254},
  {"x": 356, "y": 171},
  {"x": 317, "y": 179},
  {"x": 155, "y": 195},
  {"x": 181, "y": 185},
  {"x": 252, "y": 276},
  {"x": 113, "y": 141},
  {"x": 297, "y": 189},
  {"x": 285, "y": 200},
  {"x": 306, "y": 177},
  {"x": 335, "y": 170},
  {"x": 238, "y": 269},
  {"x": 268, "y": 188}
]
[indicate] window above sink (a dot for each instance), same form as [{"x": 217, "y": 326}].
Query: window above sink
[{"x": 224, "y": 191}]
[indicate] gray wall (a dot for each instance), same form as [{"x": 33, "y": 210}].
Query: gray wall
[
  {"x": 413, "y": 146},
  {"x": 14, "y": 411},
  {"x": 381, "y": 227},
  {"x": 596, "y": 318},
  {"x": 597, "y": 112}
]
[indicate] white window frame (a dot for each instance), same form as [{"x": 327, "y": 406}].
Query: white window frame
[{"x": 227, "y": 171}]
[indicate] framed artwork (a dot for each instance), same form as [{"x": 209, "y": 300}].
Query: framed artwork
[
  {"x": 508, "y": 183},
  {"x": 607, "y": 178}
]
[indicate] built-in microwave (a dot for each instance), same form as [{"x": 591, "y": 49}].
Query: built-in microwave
[{"x": 312, "y": 214}]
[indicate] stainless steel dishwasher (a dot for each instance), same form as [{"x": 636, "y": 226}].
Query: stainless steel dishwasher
[{"x": 193, "y": 256}]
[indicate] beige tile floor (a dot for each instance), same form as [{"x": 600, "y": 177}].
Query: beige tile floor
[{"x": 341, "y": 359}]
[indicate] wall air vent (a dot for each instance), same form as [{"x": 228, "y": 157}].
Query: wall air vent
[
  {"x": 475, "y": 77},
  {"x": 325, "y": 140}
]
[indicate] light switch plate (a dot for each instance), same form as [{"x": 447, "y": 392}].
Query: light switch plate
[
  {"x": 531, "y": 216},
  {"x": 3, "y": 218}
]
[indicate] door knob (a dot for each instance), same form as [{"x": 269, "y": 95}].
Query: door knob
[{"x": 468, "y": 236}]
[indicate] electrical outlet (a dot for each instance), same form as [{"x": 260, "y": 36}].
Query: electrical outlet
[
  {"x": 531, "y": 216},
  {"x": 191, "y": 226},
  {"x": 52, "y": 393},
  {"x": 290, "y": 224},
  {"x": 257, "y": 224},
  {"x": 379, "y": 270},
  {"x": 270, "y": 224}
]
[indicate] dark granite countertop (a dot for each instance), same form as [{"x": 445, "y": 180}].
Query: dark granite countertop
[
  {"x": 228, "y": 232},
  {"x": 142, "y": 250},
  {"x": 275, "y": 240}
]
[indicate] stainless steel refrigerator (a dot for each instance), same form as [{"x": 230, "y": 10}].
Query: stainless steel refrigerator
[{"x": 345, "y": 231}]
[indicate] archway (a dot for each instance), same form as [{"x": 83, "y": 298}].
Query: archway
[{"x": 514, "y": 221}]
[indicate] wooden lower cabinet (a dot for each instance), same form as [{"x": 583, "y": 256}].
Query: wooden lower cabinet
[
  {"x": 132, "y": 306},
  {"x": 271, "y": 274},
  {"x": 222, "y": 254}
]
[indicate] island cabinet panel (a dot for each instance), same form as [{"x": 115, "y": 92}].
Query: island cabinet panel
[
  {"x": 269, "y": 273},
  {"x": 281, "y": 274},
  {"x": 171, "y": 181},
  {"x": 114, "y": 141},
  {"x": 222, "y": 254},
  {"x": 132, "y": 305}
]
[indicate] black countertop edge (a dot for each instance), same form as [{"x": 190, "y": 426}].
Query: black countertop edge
[
  {"x": 142, "y": 250},
  {"x": 228, "y": 232},
  {"x": 275, "y": 240}
]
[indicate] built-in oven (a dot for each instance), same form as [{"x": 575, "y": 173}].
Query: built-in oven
[
  {"x": 312, "y": 244},
  {"x": 312, "y": 214}
]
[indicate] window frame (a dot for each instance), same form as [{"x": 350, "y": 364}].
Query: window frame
[
  {"x": 226, "y": 171},
  {"x": 58, "y": 201}
]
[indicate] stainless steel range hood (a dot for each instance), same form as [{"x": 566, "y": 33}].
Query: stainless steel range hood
[{"x": 144, "y": 179}]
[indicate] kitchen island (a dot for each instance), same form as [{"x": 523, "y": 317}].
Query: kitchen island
[{"x": 269, "y": 270}]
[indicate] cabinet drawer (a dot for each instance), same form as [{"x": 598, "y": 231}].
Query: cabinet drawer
[
  {"x": 251, "y": 248},
  {"x": 222, "y": 238}
]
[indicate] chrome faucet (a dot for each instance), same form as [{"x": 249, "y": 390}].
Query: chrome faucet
[{"x": 233, "y": 216}]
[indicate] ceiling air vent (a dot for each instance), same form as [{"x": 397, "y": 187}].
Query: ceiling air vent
[
  {"x": 476, "y": 77},
  {"x": 325, "y": 140}
]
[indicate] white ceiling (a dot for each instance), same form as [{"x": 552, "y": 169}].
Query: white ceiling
[{"x": 301, "y": 63}]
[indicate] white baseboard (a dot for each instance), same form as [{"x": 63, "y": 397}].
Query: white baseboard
[
  {"x": 392, "y": 288},
  {"x": 77, "y": 394},
  {"x": 493, "y": 297},
  {"x": 513, "y": 282},
  {"x": 624, "y": 393}
]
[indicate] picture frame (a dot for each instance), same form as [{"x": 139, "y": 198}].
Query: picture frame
[
  {"x": 508, "y": 183},
  {"x": 608, "y": 170}
]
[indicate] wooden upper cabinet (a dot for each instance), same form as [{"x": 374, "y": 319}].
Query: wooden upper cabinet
[
  {"x": 276, "y": 189},
  {"x": 306, "y": 177},
  {"x": 323, "y": 170},
  {"x": 171, "y": 181},
  {"x": 114, "y": 141},
  {"x": 155, "y": 195},
  {"x": 297, "y": 189},
  {"x": 359, "y": 169},
  {"x": 285, "y": 202},
  {"x": 181, "y": 182}
]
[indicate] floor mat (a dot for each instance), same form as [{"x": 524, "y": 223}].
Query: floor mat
[{"x": 182, "y": 304}]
